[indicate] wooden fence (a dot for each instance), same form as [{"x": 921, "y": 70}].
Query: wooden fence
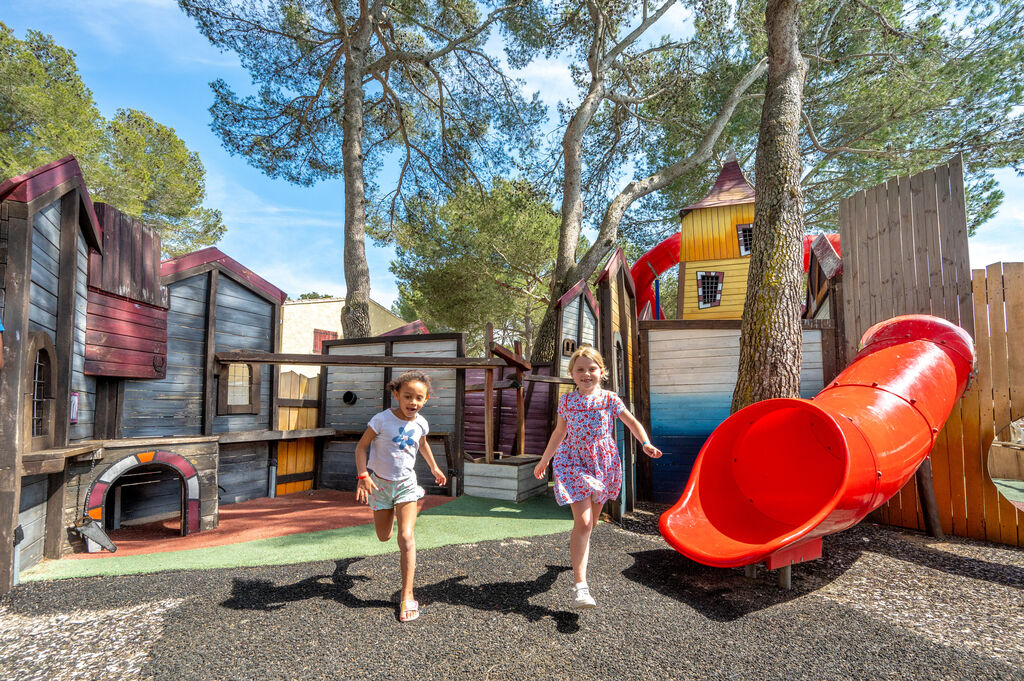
[
  {"x": 904, "y": 248},
  {"x": 296, "y": 458}
]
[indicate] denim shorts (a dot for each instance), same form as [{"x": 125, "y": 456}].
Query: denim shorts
[{"x": 393, "y": 492}]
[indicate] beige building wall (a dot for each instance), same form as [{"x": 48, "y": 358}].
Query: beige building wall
[{"x": 300, "y": 317}]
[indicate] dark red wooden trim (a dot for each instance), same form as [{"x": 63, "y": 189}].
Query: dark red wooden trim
[
  {"x": 28, "y": 186},
  {"x": 182, "y": 265},
  {"x": 614, "y": 264},
  {"x": 96, "y": 368},
  {"x": 571, "y": 293},
  {"x": 415, "y": 327}
]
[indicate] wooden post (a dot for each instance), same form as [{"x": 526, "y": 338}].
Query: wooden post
[
  {"x": 926, "y": 495},
  {"x": 520, "y": 448},
  {"x": 489, "y": 399},
  {"x": 18, "y": 230},
  {"x": 209, "y": 368}
]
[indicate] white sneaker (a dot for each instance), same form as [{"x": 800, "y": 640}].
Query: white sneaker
[{"x": 582, "y": 600}]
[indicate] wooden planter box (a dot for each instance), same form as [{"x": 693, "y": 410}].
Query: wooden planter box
[{"x": 509, "y": 479}]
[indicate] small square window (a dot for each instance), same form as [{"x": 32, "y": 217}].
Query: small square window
[
  {"x": 709, "y": 289},
  {"x": 745, "y": 235},
  {"x": 238, "y": 389},
  {"x": 238, "y": 384}
]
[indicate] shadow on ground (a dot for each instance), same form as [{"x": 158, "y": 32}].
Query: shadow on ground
[
  {"x": 726, "y": 594},
  {"x": 505, "y": 597}
]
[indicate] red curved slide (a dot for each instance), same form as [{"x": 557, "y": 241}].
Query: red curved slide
[
  {"x": 775, "y": 477},
  {"x": 654, "y": 262},
  {"x": 650, "y": 265}
]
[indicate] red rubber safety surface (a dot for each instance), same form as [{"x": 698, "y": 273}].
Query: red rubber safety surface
[{"x": 309, "y": 511}]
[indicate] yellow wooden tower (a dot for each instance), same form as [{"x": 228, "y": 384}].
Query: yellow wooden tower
[{"x": 714, "y": 254}]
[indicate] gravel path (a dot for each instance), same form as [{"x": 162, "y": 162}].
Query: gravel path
[{"x": 881, "y": 604}]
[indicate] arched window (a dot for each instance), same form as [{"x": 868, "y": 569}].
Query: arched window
[
  {"x": 568, "y": 347},
  {"x": 620, "y": 367},
  {"x": 40, "y": 383},
  {"x": 42, "y": 394}
]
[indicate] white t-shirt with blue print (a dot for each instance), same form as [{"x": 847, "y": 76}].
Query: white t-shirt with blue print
[{"x": 393, "y": 451}]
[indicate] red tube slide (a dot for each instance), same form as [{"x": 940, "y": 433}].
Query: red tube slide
[
  {"x": 775, "y": 477},
  {"x": 650, "y": 265}
]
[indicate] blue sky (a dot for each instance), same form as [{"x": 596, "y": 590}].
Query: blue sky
[{"x": 147, "y": 55}]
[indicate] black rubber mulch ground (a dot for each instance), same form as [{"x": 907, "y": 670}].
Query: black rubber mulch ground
[{"x": 500, "y": 610}]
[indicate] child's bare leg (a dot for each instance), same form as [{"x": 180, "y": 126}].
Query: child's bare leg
[
  {"x": 383, "y": 522},
  {"x": 406, "y": 514},
  {"x": 579, "y": 539}
]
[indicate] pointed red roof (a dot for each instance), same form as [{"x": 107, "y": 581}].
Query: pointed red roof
[
  {"x": 730, "y": 188},
  {"x": 38, "y": 181}
]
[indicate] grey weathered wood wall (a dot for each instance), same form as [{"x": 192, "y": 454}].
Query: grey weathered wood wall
[
  {"x": 174, "y": 405},
  {"x": 338, "y": 470},
  {"x": 242, "y": 471},
  {"x": 571, "y": 328},
  {"x": 32, "y": 518},
  {"x": 147, "y": 493},
  {"x": 366, "y": 383},
  {"x": 84, "y": 385},
  {"x": 244, "y": 321},
  {"x": 45, "y": 270}
]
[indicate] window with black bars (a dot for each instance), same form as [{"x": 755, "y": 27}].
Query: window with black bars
[
  {"x": 745, "y": 235},
  {"x": 40, "y": 388},
  {"x": 709, "y": 289}
]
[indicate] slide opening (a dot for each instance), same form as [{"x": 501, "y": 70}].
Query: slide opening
[{"x": 772, "y": 469}]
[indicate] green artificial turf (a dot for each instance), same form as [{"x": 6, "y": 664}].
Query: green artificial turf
[{"x": 462, "y": 521}]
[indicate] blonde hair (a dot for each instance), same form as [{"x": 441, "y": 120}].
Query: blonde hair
[{"x": 589, "y": 352}]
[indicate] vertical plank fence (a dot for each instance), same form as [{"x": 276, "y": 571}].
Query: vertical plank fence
[
  {"x": 905, "y": 252},
  {"x": 295, "y": 458}
]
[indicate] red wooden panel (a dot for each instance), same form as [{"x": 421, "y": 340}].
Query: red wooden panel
[
  {"x": 126, "y": 342},
  {"x": 125, "y": 328},
  {"x": 102, "y": 353},
  {"x": 131, "y": 316},
  {"x": 111, "y": 300}
]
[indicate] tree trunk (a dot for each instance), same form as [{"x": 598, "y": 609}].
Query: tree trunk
[
  {"x": 771, "y": 341},
  {"x": 355, "y": 316}
]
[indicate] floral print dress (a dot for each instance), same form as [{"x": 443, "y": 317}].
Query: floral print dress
[{"x": 587, "y": 463}]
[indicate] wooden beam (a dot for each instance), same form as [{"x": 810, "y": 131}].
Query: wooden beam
[
  {"x": 271, "y": 435},
  {"x": 498, "y": 385},
  {"x": 14, "y": 215},
  {"x": 300, "y": 403},
  {"x": 549, "y": 379},
  {"x": 67, "y": 269},
  {"x": 519, "y": 448},
  {"x": 256, "y": 357},
  {"x": 489, "y": 400},
  {"x": 209, "y": 380},
  {"x": 512, "y": 359}
]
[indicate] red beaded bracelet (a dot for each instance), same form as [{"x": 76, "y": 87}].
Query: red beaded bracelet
[{"x": 364, "y": 476}]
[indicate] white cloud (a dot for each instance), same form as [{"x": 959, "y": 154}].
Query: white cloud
[
  {"x": 1002, "y": 238},
  {"x": 296, "y": 249},
  {"x": 119, "y": 27}
]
